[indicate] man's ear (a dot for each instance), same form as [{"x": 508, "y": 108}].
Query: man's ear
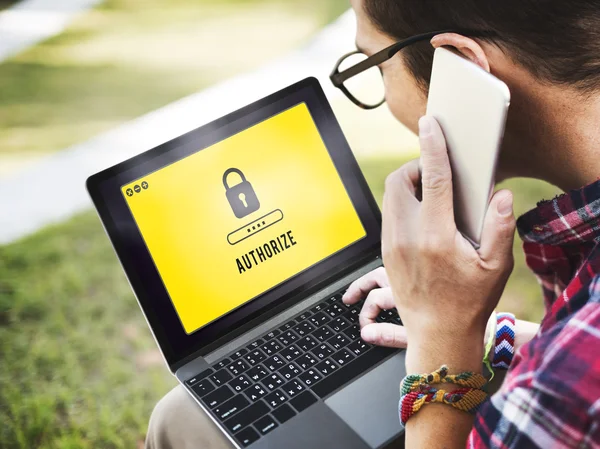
[{"x": 465, "y": 45}]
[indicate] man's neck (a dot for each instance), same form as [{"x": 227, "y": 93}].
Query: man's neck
[{"x": 559, "y": 141}]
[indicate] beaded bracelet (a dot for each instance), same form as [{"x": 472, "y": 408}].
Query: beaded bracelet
[
  {"x": 465, "y": 399},
  {"x": 414, "y": 382},
  {"x": 504, "y": 349}
]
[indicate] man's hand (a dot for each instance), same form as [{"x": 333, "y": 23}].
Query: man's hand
[
  {"x": 376, "y": 288},
  {"x": 443, "y": 288}
]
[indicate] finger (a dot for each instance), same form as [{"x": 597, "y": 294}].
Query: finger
[
  {"x": 436, "y": 176},
  {"x": 401, "y": 188},
  {"x": 385, "y": 334},
  {"x": 377, "y": 300},
  {"x": 498, "y": 229},
  {"x": 360, "y": 288}
]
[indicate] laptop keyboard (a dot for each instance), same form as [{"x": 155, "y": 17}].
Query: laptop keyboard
[{"x": 256, "y": 389}]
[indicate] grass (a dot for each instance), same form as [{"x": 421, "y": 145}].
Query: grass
[
  {"x": 125, "y": 58},
  {"x": 79, "y": 366}
]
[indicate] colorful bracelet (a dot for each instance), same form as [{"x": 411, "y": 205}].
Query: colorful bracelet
[
  {"x": 465, "y": 399},
  {"x": 504, "y": 349},
  {"x": 414, "y": 382}
]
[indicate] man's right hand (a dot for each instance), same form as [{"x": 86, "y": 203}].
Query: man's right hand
[{"x": 376, "y": 288}]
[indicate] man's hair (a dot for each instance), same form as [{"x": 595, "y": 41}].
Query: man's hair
[{"x": 558, "y": 41}]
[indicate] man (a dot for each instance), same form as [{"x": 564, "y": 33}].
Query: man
[{"x": 548, "y": 53}]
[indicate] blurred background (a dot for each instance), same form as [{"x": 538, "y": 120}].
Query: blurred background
[{"x": 87, "y": 83}]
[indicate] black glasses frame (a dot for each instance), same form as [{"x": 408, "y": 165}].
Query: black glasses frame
[{"x": 338, "y": 78}]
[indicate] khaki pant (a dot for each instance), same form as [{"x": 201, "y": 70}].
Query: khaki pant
[{"x": 178, "y": 422}]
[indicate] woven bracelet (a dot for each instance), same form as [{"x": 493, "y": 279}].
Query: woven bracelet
[
  {"x": 504, "y": 349},
  {"x": 414, "y": 382},
  {"x": 465, "y": 399}
]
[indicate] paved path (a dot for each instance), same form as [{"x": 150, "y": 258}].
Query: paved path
[
  {"x": 53, "y": 189},
  {"x": 31, "y": 21}
]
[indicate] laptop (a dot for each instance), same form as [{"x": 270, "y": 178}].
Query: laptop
[{"x": 239, "y": 239}]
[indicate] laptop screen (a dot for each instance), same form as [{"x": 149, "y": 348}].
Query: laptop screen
[{"x": 228, "y": 223}]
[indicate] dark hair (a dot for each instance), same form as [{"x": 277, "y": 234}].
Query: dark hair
[{"x": 556, "y": 40}]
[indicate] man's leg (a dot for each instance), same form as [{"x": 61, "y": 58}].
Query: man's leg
[{"x": 177, "y": 422}]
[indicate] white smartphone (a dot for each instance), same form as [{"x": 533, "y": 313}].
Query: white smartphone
[{"x": 471, "y": 106}]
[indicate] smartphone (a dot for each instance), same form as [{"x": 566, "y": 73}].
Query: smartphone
[{"x": 470, "y": 105}]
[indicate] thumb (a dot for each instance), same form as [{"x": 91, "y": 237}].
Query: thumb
[
  {"x": 498, "y": 229},
  {"x": 384, "y": 334}
]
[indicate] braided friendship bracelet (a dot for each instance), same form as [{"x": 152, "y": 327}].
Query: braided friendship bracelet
[
  {"x": 465, "y": 399},
  {"x": 504, "y": 349},
  {"x": 414, "y": 382}
]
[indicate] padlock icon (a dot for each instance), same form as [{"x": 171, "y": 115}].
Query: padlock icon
[{"x": 241, "y": 197}]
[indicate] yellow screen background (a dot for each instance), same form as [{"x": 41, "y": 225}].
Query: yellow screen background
[{"x": 185, "y": 217}]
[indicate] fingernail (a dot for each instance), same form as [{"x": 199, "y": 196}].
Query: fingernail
[
  {"x": 505, "y": 206},
  {"x": 424, "y": 126},
  {"x": 368, "y": 333}
]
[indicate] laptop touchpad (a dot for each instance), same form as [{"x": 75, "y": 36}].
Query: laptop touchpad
[{"x": 369, "y": 405}]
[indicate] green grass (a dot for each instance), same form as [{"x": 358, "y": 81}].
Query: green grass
[
  {"x": 126, "y": 58},
  {"x": 79, "y": 366}
]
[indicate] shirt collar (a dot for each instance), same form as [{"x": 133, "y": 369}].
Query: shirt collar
[{"x": 571, "y": 218}]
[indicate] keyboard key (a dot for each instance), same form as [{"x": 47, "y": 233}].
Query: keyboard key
[
  {"x": 322, "y": 351},
  {"x": 326, "y": 367},
  {"x": 304, "y": 316},
  {"x": 265, "y": 424},
  {"x": 238, "y": 367},
  {"x": 304, "y": 328},
  {"x": 287, "y": 338},
  {"x": 247, "y": 436},
  {"x": 275, "y": 399},
  {"x": 221, "y": 377},
  {"x": 338, "y": 342},
  {"x": 272, "y": 334},
  {"x": 334, "y": 310},
  {"x": 231, "y": 407},
  {"x": 255, "y": 344},
  {"x": 352, "y": 369},
  {"x": 273, "y": 381},
  {"x": 353, "y": 332},
  {"x": 203, "y": 387},
  {"x": 352, "y": 315},
  {"x": 323, "y": 333},
  {"x": 275, "y": 362},
  {"x": 319, "y": 319},
  {"x": 339, "y": 324},
  {"x": 359, "y": 347},
  {"x": 258, "y": 372},
  {"x": 305, "y": 361},
  {"x": 283, "y": 413},
  {"x": 255, "y": 392},
  {"x": 290, "y": 353},
  {"x": 222, "y": 364},
  {"x": 199, "y": 377},
  {"x": 247, "y": 416},
  {"x": 271, "y": 347},
  {"x": 342, "y": 357},
  {"x": 307, "y": 343},
  {"x": 238, "y": 354},
  {"x": 310, "y": 377},
  {"x": 240, "y": 383},
  {"x": 303, "y": 401},
  {"x": 255, "y": 357},
  {"x": 289, "y": 371},
  {"x": 332, "y": 299},
  {"x": 218, "y": 396},
  {"x": 287, "y": 326},
  {"x": 319, "y": 307},
  {"x": 293, "y": 388}
]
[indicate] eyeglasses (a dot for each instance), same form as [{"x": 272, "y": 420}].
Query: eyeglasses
[{"x": 360, "y": 77}]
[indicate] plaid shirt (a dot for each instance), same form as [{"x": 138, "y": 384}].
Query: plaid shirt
[{"x": 550, "y": 397}]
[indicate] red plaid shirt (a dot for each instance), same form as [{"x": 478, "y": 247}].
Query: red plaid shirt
[{"x": 550, "y": 397}]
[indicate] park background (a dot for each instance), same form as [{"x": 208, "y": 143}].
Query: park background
[{"x": 78, "y": 366}]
